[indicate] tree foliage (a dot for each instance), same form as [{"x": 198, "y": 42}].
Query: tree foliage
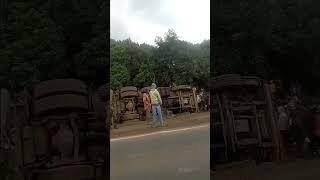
[
  {"x": 271, "y": 39},
  {"x": 30, "y": 42},
  {"x": 171, "y": 61},
  {"x": 41, "y": 40},
  {"x": 120, "y": 75},
  {"x": 93, "y": 60}
]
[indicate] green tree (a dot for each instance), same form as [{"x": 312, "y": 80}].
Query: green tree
[
  {"x": 30, "y": 42},
  {"x": 145, "y": 76},
  {"x": 92, "y": 60},
  {"x": 171, "y": 61},
  {"x": 177, "y": 61},
  {"x": 119, "y": 75}
]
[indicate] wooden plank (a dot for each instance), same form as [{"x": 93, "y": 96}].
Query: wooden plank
[
  {"x": 274, "y": 127},
  {"x": 266, "y": 144},
  {"x": 264, "y": 129},
  {"x": 259, "y": 102},
  {"x": 248, "y": 141},
  {"x": 257, "y": 124},
  {"x": 223, "y": 127},
  {"x": 240, "y": 103},
  {"x": 231, "y": 124},
  {"x": 195, "y": 99},
  {"x": 180, "y": 100},
  {"x": 243, "y": 108},
  {"x": 245, "y": 117},
  {"x": 76, "y": 139}
]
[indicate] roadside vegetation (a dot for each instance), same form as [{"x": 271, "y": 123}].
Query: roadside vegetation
[{"x": 170, "y": 61}]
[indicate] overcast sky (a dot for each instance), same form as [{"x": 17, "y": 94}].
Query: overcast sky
[{"x": 143, "y": 20}]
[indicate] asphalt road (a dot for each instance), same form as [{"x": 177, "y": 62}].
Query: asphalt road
[{"x": 168, "y": 156}]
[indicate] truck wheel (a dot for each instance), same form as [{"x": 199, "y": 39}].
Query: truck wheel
[
  {"x": 128, "y": 88},
  {"x": 129, "y": 94}
]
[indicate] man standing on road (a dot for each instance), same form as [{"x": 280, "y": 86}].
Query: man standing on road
[{"x": 156, "y": 103}]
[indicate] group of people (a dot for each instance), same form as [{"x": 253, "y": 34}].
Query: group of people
[
  {"x": 299, "y": 126},
  {"x": 152, "y": 103}
]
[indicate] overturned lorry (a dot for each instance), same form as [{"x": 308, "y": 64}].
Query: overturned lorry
[
  {"x": 182, "y": 98},
  {"x": 243, "y": 120},
  {"x": 129, "y": 97},
  {"x": 57, "y": 130},
  {"x": 177, "y": 99}
]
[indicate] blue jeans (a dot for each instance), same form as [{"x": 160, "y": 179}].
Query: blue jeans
[{"x": 156, "y": 111}]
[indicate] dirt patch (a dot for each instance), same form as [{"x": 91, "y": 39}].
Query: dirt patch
[
  {"x": 294, "y": 170},
  {"x": 143, "y": 127}
]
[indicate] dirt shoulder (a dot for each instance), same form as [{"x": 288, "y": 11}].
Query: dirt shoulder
[
  {"x": 177, "y": 122},
  {"x": 298, "y": 169}
]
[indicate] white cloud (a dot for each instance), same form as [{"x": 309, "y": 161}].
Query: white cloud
[{"x": 143, "y": 20}]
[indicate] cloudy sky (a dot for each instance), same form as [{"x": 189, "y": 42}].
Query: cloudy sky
[{"x": 143, "y": 20}]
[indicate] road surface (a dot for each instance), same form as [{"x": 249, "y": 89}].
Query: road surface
[{"x": 181, "y": 154}]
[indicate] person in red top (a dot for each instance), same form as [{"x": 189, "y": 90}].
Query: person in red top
[{"x": 147, "y": 105}]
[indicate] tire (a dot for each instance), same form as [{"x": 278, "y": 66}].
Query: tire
[
  {"x": 99, "y": 101},
  {"x": 140, "y": 99},
  {"x": 59, "y": 86},
  {"x": 103, "y": 92},
  {"x": 65, "y": 102},
  {"x": 128, "y": 88},
  {"x": 129, "y": 94}
]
